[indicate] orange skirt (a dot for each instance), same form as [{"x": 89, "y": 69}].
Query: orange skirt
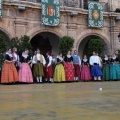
[{"x": 9, "y": 73}]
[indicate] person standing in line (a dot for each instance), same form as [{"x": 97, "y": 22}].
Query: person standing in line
[
  {"x": 69, "y": 72},
  {"x": 9, "y": 72},
  {"x": 53, "y": 62},
  {"x": 16, "y": 59},
  {"x": 106, "y": 68},
  {"x": 114, "y": 68},
  {"x": 34, "y": 78},
  {"x": 59, "y": 73},
  {"x": 76, "y": 64},
  {"x": 25, "y": 73},
  {"x": 95, "y": 66},
  {"x": 85, "y": 71},
  {"x": 39, "y": 63},
  {"x": 49, "y": 70}
]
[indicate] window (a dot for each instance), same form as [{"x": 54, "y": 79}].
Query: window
[{"x": 86, "y": 3}]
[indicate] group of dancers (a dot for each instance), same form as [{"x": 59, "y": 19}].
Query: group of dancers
[{"x": 27, "y": 69}]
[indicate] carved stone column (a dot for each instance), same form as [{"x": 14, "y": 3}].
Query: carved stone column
[
  {"x": 114, "y": 31},
  {"x": 71, "y": 31}
]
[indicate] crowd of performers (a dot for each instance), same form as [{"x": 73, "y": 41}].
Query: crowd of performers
[{"x": 27, "y": 69}]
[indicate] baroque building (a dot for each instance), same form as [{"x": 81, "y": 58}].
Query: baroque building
[{"x": 23, "y": 17}]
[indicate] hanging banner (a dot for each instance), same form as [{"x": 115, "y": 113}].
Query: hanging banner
[
  {"x": 95, "y": 16},
  {"x": 0, "y": 8},
  {"x": 50, "y": 12}
]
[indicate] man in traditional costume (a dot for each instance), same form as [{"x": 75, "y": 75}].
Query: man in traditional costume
[
  {"x": 38, "y": 69},
  {"x": 76, "y": 64},
  {"x": 49, "y": 70},
  {"x": 16, "y": 59},
  {"x": 95, "y": 66}
]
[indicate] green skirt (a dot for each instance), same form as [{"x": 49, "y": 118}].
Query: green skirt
[
  {"x": 38, "y": 70},
  {"x": 106, "y": 72}
]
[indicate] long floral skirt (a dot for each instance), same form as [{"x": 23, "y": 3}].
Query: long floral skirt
[
  {"x": 25, "y": 74},
  {"x": 106, "y": 72},
  {"x": 118, "y": 72},
  {"x": 69, "y": 72},
  {"x": 114, "y": 71},
  {"x": 9, "y": 73},
  {"x": 59, "y": 73},
  {"x": 85, "y": 73}
]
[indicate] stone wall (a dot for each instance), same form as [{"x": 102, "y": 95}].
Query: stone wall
[{"x": 16, "y": 23}]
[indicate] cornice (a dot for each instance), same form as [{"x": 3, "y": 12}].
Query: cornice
[{"x": 62, "y": 8}]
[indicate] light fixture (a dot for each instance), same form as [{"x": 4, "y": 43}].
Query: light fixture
[
  {"x": 21, "y": 8},
  {"x": 119, "y": 37},
  {"x": 73, "y": 14}
]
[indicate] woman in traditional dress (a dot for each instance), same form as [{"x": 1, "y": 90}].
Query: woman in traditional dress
[
  {"x": 53, "y": 62},
  {"x": 59, "y": 73},
  {"x": 114, "y": 68},
  {"x": 85, "y": 71},
  {"x": 16, "y": 59},
  {"x": 9, "y": 72},
  {"x": 106, "y": 68},
  {"x": 25, "y": 74},
  {"x": 69, "y": 72},
  {"x": 34, "y": 78}
]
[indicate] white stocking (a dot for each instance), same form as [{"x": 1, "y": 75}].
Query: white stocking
[
  {"x": 95, "y": 78},
  {"x": 51, "y": 80},
  {"x": 40, "y": 79},
  {"x": 99, "y": 78},
  {"x": 37, "y": 79}
]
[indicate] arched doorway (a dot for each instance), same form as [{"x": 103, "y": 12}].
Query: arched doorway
[
  {"x": 83, "y": 46},
  {"x": 46, "y": 41},
  {"x": 7, "y": 38}
]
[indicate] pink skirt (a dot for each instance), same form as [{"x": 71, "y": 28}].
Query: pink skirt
[
  {"x": 25, "y": 74},
  {"x": 85, "y": 73}
]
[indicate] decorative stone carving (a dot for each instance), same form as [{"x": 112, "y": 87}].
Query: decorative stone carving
[{"x": 71, "y": 3}]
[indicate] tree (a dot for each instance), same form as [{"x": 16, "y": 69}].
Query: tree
[
  {"x": 66, "y": 44},
  {"x": 24, "y": 43},
  {"x": 15, "y": 42},
  {"x": 96, "y": 45},
  {"x": 3, "y": 46}
]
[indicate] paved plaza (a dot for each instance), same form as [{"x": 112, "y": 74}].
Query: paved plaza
[{"x": 61, "y": 101}]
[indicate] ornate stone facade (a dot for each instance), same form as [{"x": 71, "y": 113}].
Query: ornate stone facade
[{"x": 15, "y": 23}]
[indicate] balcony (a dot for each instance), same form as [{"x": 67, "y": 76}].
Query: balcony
[{"x": 66, "y": 3}]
